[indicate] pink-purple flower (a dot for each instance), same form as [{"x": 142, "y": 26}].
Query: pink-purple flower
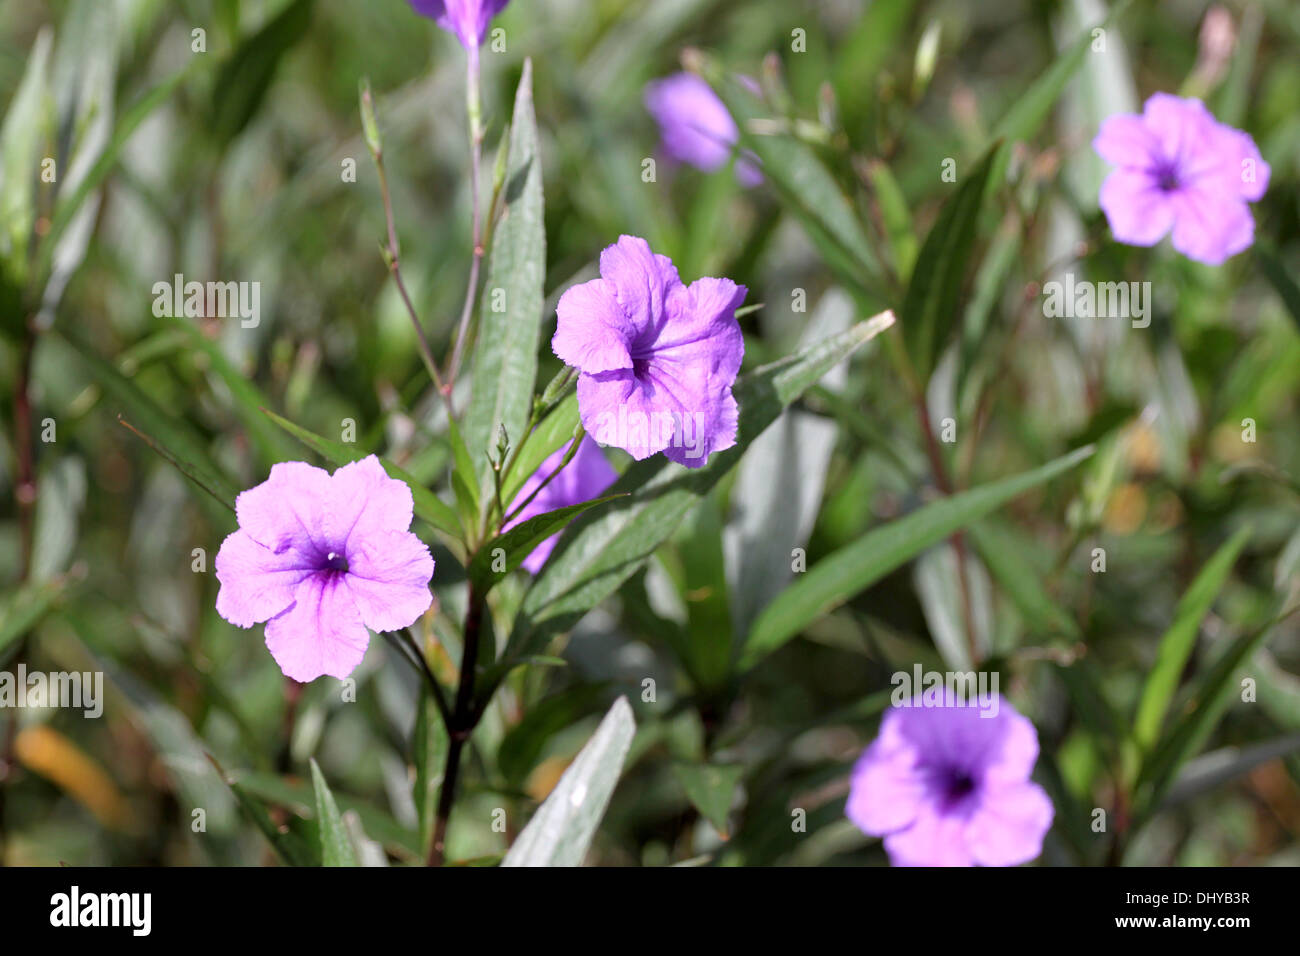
[
  {"x": 949, "y": 786},
  {"x": 1180, "y": 171},
  {"x": 582, "y": 479},
  {"x": 467, "y": 19},
  {"x": 320, "y": 558},
  {"x": 695, "y": 126},
  {"x": 657, "y": 358}
]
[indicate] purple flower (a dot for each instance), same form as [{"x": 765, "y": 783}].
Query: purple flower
[
  {"x": 946, "y": 786},
  {"x": 657, "y": 358},
  {"x": 581, "y": 480},
  {"x": 320, "y": 558},
  {"x": 695, "y": 126},
  {"x": 468, "y": 19},
  {"x": 1180, "y": 169}
]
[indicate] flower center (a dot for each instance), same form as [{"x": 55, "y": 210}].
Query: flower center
[
  {"x": 1167, "y": 180},
  {"x": 336, "y": 562}
]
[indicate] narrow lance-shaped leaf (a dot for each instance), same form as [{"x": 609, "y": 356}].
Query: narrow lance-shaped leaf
[
  {"x": 1211, "y": 695},
  {"x": 1177, "y": 643},
  {"x": 517, "y": 543},
  {"x": 170, "y": 434},
  {"x": 505, "y": 359},
  {"x": 851, "y": 569},
  {"x": 806, "y": 188},
  {"x": 599, "y": 552},
  {"x": 934, "y": 295},
  {"x": 1027, "y": 114},
  {"x": 430, "y": 744},
  {"x": 335, "y": 846},
  {"x": 561, "y": 830}
]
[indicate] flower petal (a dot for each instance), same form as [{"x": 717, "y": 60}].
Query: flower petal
[
  {"x": 933, "y": 839},
  {"x": 1009, "y": 824},
  {"x": 1138, "y": 212},
  {"x": 592, "y": 331},
  {"x": 617, "y": 410},
  {"x": 886, "y": 793},
  {"x": 641, "y": 280},
  {"x": 388, "y": 577},
  {"x": 320, "y": 633},
  {"x": 1209, "y": 227},
  {"x": 584, "y": 478},
  {"x": 256, "y": 582},
  {"x": 288, "y": 509},
  {"x": 364, "y": 501},
  {"x": 701, "y": 327},
  {"x": 1124, "y": 140}
]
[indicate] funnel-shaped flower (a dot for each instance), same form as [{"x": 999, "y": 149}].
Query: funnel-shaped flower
[
  {"x": 695, "y": 126},
  {"x": 320, "y": 558},
  {"x": 657, "y": 357},
  {"x": 468, "y": 19},
  {"x": 1180, "y": 169},
  {"x": 949, "y": 786}
]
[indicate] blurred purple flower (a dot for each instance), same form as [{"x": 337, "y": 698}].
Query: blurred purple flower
[
  {"x": 695, "y": 126},
  {"x": 468, "y": 19},
  {"x": 657, "y": 358},
  {"x": 581, "y": 480},
  {"x": 1180, "y": 169},
  {"x": 321, "y": 558},
  {"x": 946, "y": 786}
]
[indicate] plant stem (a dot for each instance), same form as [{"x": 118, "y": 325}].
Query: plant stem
[
  {"x": 461, "y": 726},
  {"x": 475, "y": 114}
]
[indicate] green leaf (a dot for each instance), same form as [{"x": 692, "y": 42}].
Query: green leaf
[
  {"x": 1022, "y": 581},
  {"x": 300, "y": 798},
  {"x": 599, "y": 552},
  {"x": 1211, "y": 695},
  {"x": 1177, "y": 643},
  {"x": 895, "y": 217},
  {"x": 335, "y": 845},
  {"x": 245, "y": 77},
  {"x": 1280, "y": 278},
  {"x": 518, "y": 543},
  {"x": 1027, "y": 115},
  {"x": 23, "y": 608},
  {"x": 851, "y": 569},
  {"x": 551, "y": 432},
  {"x": 711, "y": 789},
  {"x": 249, "y": 401},
  {"x": 289, "y": 842},
  {"x": 806, "y": 189},
  {"x": 562, "y": 829},
  {"x": 68, "y": 207},
  {"x": 430, "y": 744},
  {"x": 523, "y": 744},
  {"x": 505, "y": 359},
  {"x": 427, "y": 505},
  {"x": 26, "y": 127},
  {"x": 931, "y": 307},
  {"x": 169, "y": 436},
  {"x": 1213, "y": 770}
]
